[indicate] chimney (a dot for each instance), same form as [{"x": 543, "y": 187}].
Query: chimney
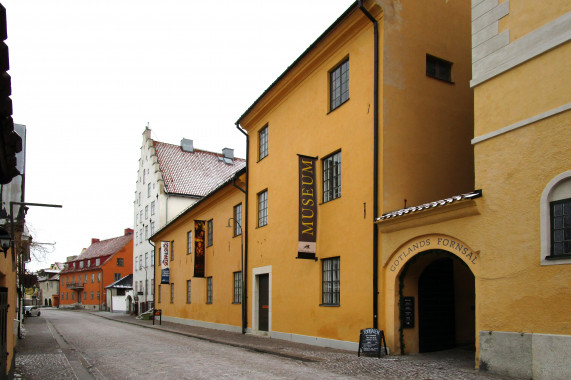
[
  {"x": 228, "y": 153},
  {"x": 128, "y": 231},
  {"x": 94, "y": 240},
  {"x": 186, "y": 145}
]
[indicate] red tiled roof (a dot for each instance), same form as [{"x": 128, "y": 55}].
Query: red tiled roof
[
  {"x": 100, "y": 249},
  {"x": 193, "y": 173}
]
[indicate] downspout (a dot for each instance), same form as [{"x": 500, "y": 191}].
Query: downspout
[
  {"x": 375, "y": 165},
  {"x": 154, "y": 270},
  {"x": 245, "y": 232}
]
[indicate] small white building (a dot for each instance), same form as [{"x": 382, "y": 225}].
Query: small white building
[
  {"x": 120, "y": 295},
  {"x": 170, "y": 178},
  {"x": 48, "y": 282}
]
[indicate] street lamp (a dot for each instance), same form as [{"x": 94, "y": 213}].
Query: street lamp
[
  {"x": 241, "y": 272},
  {"x": 5, "y": 240}
]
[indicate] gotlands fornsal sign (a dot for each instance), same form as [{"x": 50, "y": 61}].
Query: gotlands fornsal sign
[
  {"x": 307, "y": 208},
  {"x": 165, "y": 245}
]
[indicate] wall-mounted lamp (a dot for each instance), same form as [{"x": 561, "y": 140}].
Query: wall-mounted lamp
[{"x": 5, "y": 241}]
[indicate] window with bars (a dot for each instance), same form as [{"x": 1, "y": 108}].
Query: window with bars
[
  {"x": 263, "y": 208},
  {"x": 331, "y": 281},
  {"x": 438, "y": 68},
  {"x": 561, "y": 227},
  {"x": 339, "y": 85},
  {"x": 172, "y": 293},
  {"x": 188, "y": 289},
  {"x": 332, "y": 177},
  {"x": 237, "y": 287},
  {"x": 209, "y": 290},
  {"x": 263, "y": 143},
  {"x": 210, "y": 233},
  {"x": 238, "y": 217}
]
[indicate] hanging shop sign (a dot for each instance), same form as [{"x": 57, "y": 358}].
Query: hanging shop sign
[
  {"x": 307, "y": 208},
  {"x": 165, "y": 248},
  {"x": 199, "y": 248}
]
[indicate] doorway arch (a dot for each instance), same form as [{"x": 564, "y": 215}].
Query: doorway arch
[{"x": 444, "y": 290}]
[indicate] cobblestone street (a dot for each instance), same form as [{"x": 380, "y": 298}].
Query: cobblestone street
[{"x": 76, "y": 344}]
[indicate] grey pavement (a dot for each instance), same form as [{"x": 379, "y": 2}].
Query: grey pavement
[{"x": 44, "y": 353}]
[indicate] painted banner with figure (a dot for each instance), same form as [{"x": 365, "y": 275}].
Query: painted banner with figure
[{"x": 199, "y": 261}]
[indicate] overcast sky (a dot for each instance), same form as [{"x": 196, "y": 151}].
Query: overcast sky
[{"x": 88, "y": 75}]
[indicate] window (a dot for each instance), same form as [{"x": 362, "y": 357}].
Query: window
[
  {"x": 332, "y": 177},
  {"x": 561, "y": 228},
  {"x": 152, "y": 258},
  {"x": 117, "y": 276},
  {"x": 72, "y": 296},
  {"x": 209, "y": 290},
  {"x": 136, "y": 237},
  {"x": 147, "y": 212},
  {"x": 331, "y": 282},
  {"x": 91, "y": 294},
  {"x": 144, "y": 172},
  {"x": 136, "y": 263},
  {"x": 119, "y": 262},
  {"x": 152, "y": 286},
  {"x": 263, "y": 208},
  {"x": 187, "y": 291},
  {"x": 555, "y": 215},
  {"x": 146, "y": 287},
  {"x": 237, "y": 287},
  {"x": 84, "y": 295},
  {"x": 136, "y": 287},
  {"x": 159, "y": 291},
  {"x": 339, "y": 85},
  {"x": 92, "y": 278},
  {"x": 146, "y": 258},
  {"x": 147, "y": 231},
  {"x": 149, "y": 190},
  {"x": 209, "y": 232},
  {"x": 97, "y": 261},
  {"x": 81, "y": 264},
  {"x": 85, "y": 278},
  {"x": 238, "y": 218},
  {"x": 152, "y": 228},
  {"x": 263, "y": 143},
  {"x": 152, "y": 208},
  {"x": 139, "y": 199},
  {"x": 438, "y": 68},
  {"x": 172, "y": 250},
  {"x": 140, "y": 262},
  {"x": 98, "y": 294},
  {"x": 189, "y": 242},
  {"x": 172, "y": 293},
  {"x": 98, "y": 277}
]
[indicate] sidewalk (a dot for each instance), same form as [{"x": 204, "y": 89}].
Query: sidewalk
[{"x": 451, "y": 364}]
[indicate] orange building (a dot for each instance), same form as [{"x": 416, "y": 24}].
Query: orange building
[{"x": 83, "y": 280}]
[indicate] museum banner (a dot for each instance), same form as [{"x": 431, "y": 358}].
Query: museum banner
[
  {"x": 307, "y": 208},
  {"x": 164, "y": 250},
  {"x": 199, "y": 248}
]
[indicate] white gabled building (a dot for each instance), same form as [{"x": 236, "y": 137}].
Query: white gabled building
[{"x": 170, "y": 178}]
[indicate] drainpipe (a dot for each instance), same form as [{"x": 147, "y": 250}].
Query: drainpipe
[
  {"x": 375, "y": 165},
  {"x": 154, "y": 271},
  {"x": 245, "y": 232}
]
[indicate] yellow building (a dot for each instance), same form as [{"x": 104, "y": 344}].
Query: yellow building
[
  {"x": 202, "y": 285},
  {"x": 501, "y": 260},
  {"x": 379, "y": 111},
  {"x": 401, "y": 174}
]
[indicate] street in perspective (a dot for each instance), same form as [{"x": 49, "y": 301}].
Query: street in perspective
[{"x": 66, "y": 344}]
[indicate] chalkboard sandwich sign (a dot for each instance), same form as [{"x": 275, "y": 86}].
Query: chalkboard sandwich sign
[{"x": 372, "y": 341}]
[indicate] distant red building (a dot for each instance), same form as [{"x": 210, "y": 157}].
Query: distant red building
[{"x": 83, "y": 279}]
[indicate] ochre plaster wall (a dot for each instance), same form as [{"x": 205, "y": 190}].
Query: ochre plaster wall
[{"x": 222, "y": 259}]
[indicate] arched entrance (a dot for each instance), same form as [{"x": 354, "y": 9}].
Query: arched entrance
[{"x": 442, "y": 289}]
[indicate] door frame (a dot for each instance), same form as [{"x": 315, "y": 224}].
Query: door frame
[{"x": 256, "y": 297}]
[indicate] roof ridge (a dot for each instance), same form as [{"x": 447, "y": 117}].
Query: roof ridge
[{"x": 200, "y": 150}]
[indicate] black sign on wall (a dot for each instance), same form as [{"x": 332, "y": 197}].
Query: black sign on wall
[{"x": 407, "y": 312}]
